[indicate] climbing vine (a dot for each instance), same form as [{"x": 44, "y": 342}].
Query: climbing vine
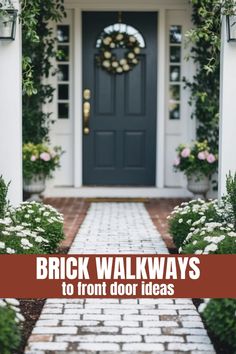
[
  {"x": 38, "y": 42},
  {"x": 206, "y": 40}
]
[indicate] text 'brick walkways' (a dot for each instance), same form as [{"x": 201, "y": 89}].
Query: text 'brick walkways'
[{"x": 112, "y": 325}]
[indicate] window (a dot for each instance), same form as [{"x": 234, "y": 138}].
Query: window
[
  {"x": 175, "y": 54},
  {"x": 63, "y": 73}
]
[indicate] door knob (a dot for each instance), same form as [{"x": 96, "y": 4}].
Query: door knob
[
  {"x": 86, "y": 116},
  {"x": 87, "y": 94}
]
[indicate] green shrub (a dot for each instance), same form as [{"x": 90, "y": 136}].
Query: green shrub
[
  {"x": 42, "y": 219},
  {"x": 231, "y": 190},
  {"x": 3, "y": 196},
  {"x": 18, "y": 239},
  {"x": 10, "y": 332},
  {"x": 220, "y": 319},
  {"x": 213, "y": 238},
  {"x": 184, "y": 217}
]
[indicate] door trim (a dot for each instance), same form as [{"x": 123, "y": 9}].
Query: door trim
[
  {"x": 160, "y": 119},
  {"x": 161, "y": 64}
]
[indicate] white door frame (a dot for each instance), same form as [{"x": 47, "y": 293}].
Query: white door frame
[{"x": 156, "y": 6}]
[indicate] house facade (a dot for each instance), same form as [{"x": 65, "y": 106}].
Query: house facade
[{"x": 118, "y": 130}]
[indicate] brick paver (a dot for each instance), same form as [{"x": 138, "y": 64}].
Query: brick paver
[{"x": 119, "y": 325}]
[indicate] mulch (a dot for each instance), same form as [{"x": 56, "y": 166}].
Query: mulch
[{"x": 31, "y": 310}]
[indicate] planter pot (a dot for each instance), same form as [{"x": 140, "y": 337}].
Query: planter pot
[
  {"x": 35, "y": 187},
  {"x": 199, "y": 185}
]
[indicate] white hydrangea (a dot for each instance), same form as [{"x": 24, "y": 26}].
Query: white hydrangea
[
  {"x": 10, "y": 250},
  {"x": 202, "y": 307},
  {"x": 11, "y": 301},
  {"x": 212, "y": 247},
  {"x": 13, "y": 304},
  {"x": 214, "y": 239}
]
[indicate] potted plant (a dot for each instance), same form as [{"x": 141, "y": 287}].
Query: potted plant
[
  {"x": 39, "y": 161},
  {"x": 198, "y": 163}
]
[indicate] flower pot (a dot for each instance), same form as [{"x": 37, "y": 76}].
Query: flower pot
[
  {"x": 199, "y": 185},
  {"x": 35, "y": 187}
]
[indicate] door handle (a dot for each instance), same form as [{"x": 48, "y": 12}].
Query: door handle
[{"x": 86, "y": 116}]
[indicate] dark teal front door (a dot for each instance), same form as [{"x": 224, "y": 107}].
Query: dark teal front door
[{"x": 119, "y": 136}]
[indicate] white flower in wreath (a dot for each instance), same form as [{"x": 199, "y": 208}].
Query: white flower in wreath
[
  {"x": 119, "y": 37},
  {"x": 126, "y": 67},
  {"x": 123, "y": 61},
  {"x": 132, "y": 39},
  {"x": 131, "y": 55},
  {"x": 136, "y": 50},
  {"x": 106, "y": 64},
  {"x": 135, "y": 61},
  {"x": 119, "y": 70},
  {"x": 107, "y": 40},
  {"x": 112, "y": 45},
  {"x": 115, "y": 64},
  {"x": 107, "y": 55}
]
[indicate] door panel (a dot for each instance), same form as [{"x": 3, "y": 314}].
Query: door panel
[
  {"x": 104, "y": 149},
  {"x": 134, "y": 92},
  {"x": 120, "y": 148},
  {"x": 134, "y": 150}
]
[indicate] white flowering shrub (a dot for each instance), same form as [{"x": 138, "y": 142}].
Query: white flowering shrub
[
  {"x": 42, "y": 220},
  {"x": 220, "y": 318},
  {"x": 10, "y": 325},
  {"x": 212, "y": 238},
  {"x": 188, "y": 214},
  {"x": 19, "y": 239}
]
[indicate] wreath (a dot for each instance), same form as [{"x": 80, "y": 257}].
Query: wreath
[{"x": 108, "y": 60}]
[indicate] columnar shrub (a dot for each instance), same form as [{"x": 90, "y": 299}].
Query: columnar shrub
[
  {"x": 3, "y": 196},
  {"x": 231, "y": 190}
]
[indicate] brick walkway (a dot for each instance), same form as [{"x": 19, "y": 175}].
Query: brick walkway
[{"x": 112, "y": 325}]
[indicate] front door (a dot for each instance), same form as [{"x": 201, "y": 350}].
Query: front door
[{"x": 119, "y": 108}]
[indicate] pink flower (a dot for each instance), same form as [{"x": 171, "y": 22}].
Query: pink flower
[
  {"x": 45, "y": 156},
  {"x": 202, "y": 155},
  {"x": 185, "y": 152},
  {"x": 177, "y": 161},
  {"x": 211, "y": 158},
  {"x": 33, "y": 158}
]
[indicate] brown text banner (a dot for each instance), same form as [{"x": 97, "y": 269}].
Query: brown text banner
[{"x": 117, "y": 276}]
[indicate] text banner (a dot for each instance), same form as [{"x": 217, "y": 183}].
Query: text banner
[{"x": 117, "y": 276}]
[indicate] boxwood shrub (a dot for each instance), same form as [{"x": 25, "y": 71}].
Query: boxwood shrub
[
  {"x": 10, "y": 326},
  {"x": 220, "y": 319}
]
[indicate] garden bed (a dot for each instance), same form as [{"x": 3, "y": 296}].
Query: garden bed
[{"x": 31, "y": 310}]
